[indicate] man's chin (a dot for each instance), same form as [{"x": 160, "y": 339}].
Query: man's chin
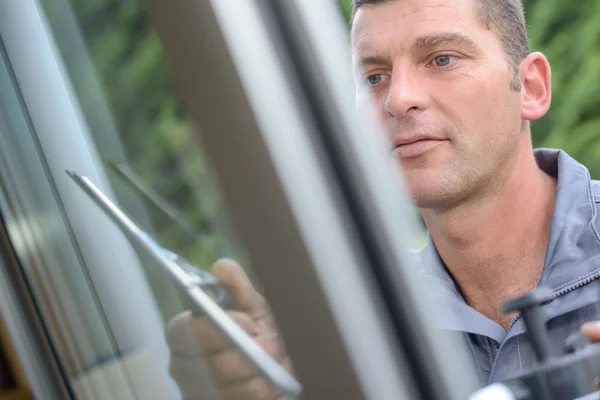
[
  {"x": 426, "y": 187},
  {"x": 429, "y": 197}
]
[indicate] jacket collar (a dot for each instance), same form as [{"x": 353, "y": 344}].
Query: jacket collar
[
  {"x": 572, "y": 256},
  {"x": 574, "y": 244}
]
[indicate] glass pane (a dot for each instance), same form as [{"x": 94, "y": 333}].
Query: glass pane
[
  {"x": 146, "y": 156},
  {"x": 152, "y": 157},
  {"x": 42, "y": 240}
]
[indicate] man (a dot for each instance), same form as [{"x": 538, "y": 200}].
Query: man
[{"x": 456, "y": 86}]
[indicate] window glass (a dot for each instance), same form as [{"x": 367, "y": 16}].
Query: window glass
[
  {"x": 129, "y": 127},
  {"x": 150, "y": 152}
]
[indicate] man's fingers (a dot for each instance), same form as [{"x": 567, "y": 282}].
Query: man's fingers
[
  {"x": 213, "y": 341},
  {"x": 252, "y": 389},
  {"x": 592, "y": 331},
  {"x": 235, "y": 279},
  {"x": 192, "y": 376},
  {"x": 255, "y": 388},
  {"x": 206, "y": 339},
  {"x": 230, "y": 366}
]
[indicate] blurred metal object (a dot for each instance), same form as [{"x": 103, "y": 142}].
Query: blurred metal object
[
  {"x": 571, "y": 375},
  {"x": 204, "y": 280},
  {"x": 194, "y": 281}
]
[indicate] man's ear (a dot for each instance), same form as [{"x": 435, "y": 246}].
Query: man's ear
[{"x": 536, "y": 90}]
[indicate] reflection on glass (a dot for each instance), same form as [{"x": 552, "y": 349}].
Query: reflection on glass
[
  {"x": 116, "y": 64},
  {"x": 156, "y": 170},
  {"x": 207, "y": 296}
]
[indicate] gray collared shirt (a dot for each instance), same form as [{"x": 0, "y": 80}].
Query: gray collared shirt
[{"x": 571, "y": 270}]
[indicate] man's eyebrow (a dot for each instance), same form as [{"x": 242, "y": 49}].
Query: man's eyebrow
[
  {"x": 431, "y": 42},
  {"x": 371, "y": 60}
]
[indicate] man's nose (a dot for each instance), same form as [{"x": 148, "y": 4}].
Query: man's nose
[{"x": 406, "y": 93}]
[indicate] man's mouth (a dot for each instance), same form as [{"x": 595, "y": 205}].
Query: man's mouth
[{"x": 415, "y": 145}]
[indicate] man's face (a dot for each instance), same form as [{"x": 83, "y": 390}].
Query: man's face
[{"x": 440, "y": 81}]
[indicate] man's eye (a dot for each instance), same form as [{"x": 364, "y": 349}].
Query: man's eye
[
  {"x": 443, "y": 60},
  {"x": 374, "y": 79}
]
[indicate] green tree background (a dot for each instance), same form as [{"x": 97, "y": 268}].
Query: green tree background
[{"x": 162, "y": 149}]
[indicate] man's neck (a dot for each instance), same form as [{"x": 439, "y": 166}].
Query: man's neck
[{"x": 495, "y": 246}]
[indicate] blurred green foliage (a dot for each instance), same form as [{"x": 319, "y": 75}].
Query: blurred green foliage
[
  {"x": 158, "y": 141},
  {"x": 114, "y": 59},
  {"x": 568, "y": 33}
]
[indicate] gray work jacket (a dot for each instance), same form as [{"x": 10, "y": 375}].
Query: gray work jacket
[{"x": 571, "y": 270}]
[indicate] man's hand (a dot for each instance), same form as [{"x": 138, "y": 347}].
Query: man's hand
[
  {"x": 592, "y": 331},
  {"x": 233, "y": 377}
]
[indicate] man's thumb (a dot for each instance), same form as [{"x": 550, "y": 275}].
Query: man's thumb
[{"x": 234, "y": 278}]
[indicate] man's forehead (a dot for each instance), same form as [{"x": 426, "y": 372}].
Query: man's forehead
[{"x": 401, "y": 20}]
